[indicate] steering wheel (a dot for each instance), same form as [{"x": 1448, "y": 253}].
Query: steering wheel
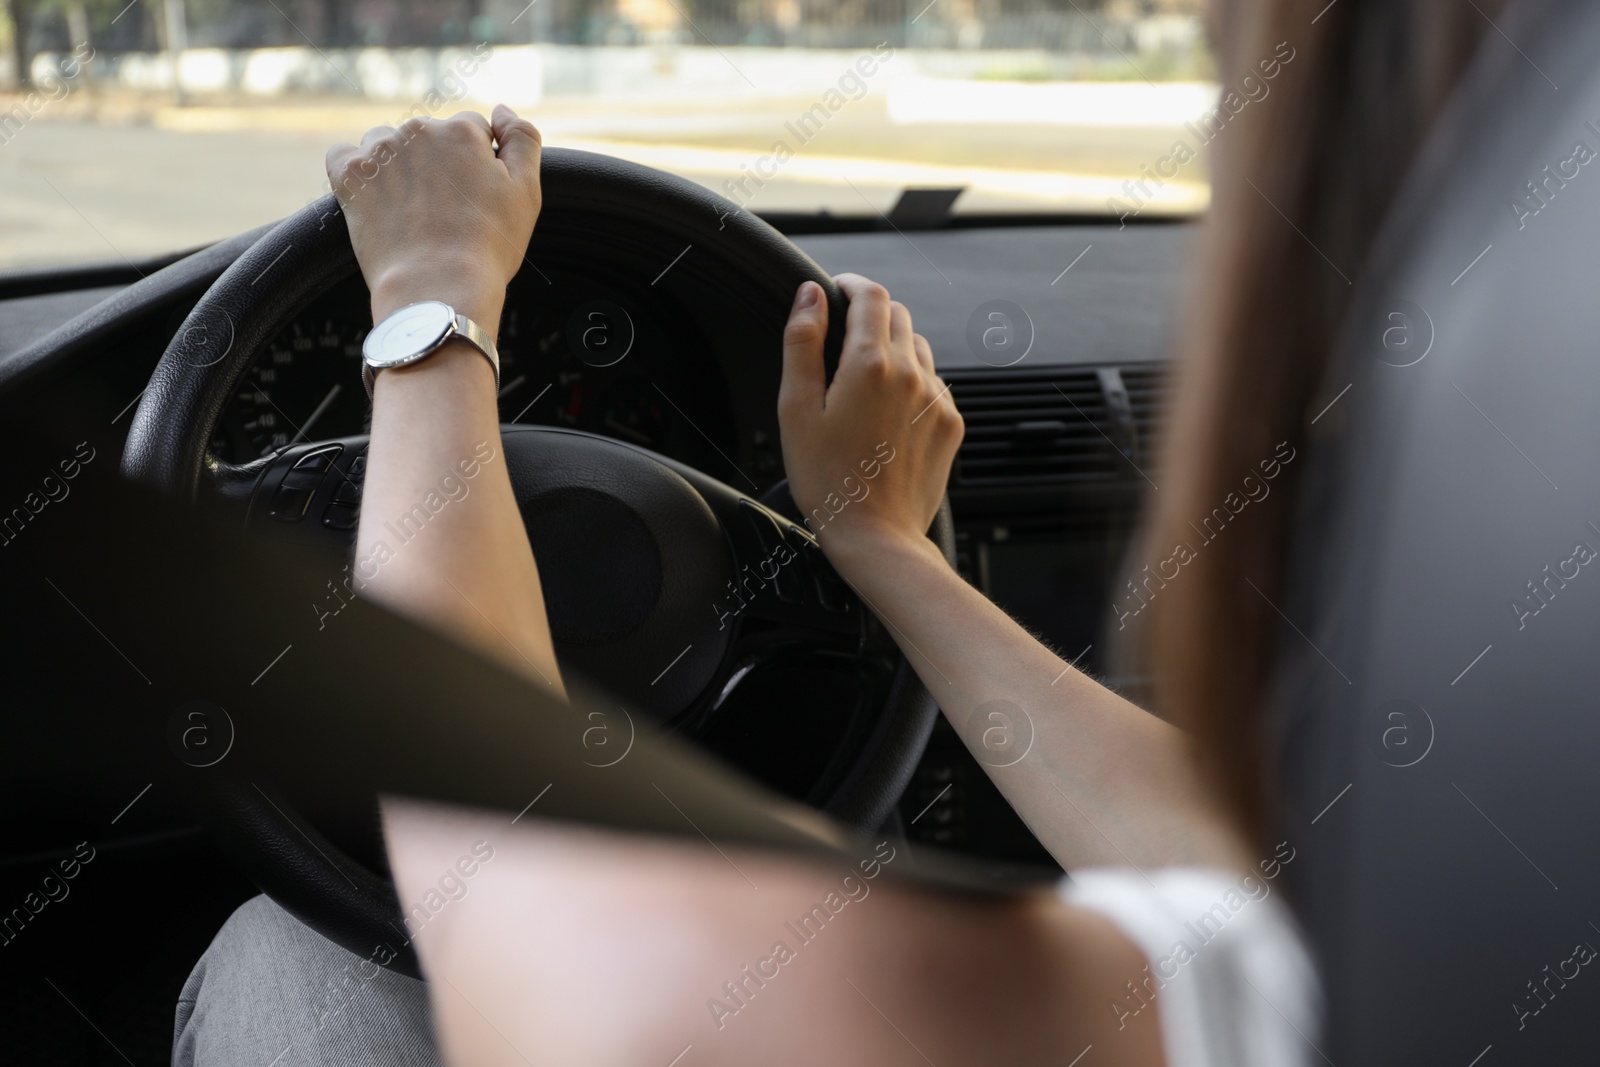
[{"x": 690, "y": 602}]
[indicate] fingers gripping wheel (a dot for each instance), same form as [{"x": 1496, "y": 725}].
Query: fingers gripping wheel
[{"x": 600, "y": 217}]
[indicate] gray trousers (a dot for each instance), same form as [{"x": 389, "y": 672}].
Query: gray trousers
[{"x": 271, "y": 992}]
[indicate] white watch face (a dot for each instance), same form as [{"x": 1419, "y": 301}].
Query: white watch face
[{"x": 408, "y": 333}]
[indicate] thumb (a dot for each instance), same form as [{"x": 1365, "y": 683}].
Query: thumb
[
  {"x": 520, "y": 144},
  {"x": 802, "y": 389}
]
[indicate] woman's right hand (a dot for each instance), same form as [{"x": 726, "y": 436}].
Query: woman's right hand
[
  {"x": 867, "y": 456},
  {"x": 1093, "y": 760}
]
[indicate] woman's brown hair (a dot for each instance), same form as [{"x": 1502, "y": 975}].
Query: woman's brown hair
[{"x": 1301, "y": 179}]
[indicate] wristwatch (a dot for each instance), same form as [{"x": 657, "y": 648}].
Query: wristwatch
[{"x": 416, "y": 332}]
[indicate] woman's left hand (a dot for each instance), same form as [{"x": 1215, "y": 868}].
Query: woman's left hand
[{"x": 436, "y": 213}]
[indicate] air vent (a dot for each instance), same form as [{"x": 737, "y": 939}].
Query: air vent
[
  {"x": 1147, "y": 396},
  {"x": 1052, "y": 426}
]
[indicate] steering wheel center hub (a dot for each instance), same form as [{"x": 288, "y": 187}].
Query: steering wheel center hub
[
  {"x": 632, "y": 561},
  {"x": 608, "y": 581}
]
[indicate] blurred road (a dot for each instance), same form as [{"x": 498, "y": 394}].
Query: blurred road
[{"x": 102, "y": 180}]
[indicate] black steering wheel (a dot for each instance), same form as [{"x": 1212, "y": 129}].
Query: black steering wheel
[{"x": 689, "y": 602}]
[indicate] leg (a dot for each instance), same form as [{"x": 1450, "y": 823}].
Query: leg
[{"x": 271, "y": 991}]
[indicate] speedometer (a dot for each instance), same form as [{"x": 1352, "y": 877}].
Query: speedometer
[{"x": 307, "y": 381}]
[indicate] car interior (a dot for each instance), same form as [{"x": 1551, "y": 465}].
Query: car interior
[
  {"x": 1045, "y": 490},
  {"x": 1443, "y": 871}
]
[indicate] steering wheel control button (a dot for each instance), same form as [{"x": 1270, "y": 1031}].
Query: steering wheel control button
[
  {"x": 829, "y": 589},
  {"x": 1000, "y": 333},
  {"x": 319, "y": 460},
  {"x": 302, "y": 479},
  {"x": 832, "y": 591},
  {"x": 309, "y": 469},
  {"x": 341, "y": 516},
  {"x": 348, "y": 492},
  {"x": 289, "y": 504},
  {"x": 600, "y": 333},
  {"x": 787, "y": 583}
]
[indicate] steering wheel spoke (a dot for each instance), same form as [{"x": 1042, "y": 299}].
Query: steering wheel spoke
[
  {"x": 309, "y": 494},
  {"x": 784, "y": 579}
]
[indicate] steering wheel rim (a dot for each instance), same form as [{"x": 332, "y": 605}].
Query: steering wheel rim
[{"x": 169, "y": 448}]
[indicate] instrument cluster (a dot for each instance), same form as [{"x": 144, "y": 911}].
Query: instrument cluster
[{"x": 572, "y": 355}]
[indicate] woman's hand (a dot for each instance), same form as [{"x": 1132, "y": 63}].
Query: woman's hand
[
  {"x": 868, "y": 457},
  {"x": 436, "y": 214},
  {"x": 1102, "y": 782}
]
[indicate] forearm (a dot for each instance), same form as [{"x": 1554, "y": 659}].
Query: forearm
[
  {"x": 1102, "y": 781},
  {"x": 441, "y": 538}
]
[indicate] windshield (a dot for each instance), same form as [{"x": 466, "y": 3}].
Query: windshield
[{"x": 149, "y": 126}]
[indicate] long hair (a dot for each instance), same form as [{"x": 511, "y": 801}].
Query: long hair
[{"x": 1301, "y": 180}]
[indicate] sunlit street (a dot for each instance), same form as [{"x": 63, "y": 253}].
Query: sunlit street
[{"x": 109, "y": 172}]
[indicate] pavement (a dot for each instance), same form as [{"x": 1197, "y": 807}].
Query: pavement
[{"x": 100, "y": 176}]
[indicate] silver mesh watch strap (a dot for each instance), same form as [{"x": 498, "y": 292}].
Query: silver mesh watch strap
[{"x": 464, "y": 329}]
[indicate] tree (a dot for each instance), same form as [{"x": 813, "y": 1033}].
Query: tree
[{"x": 21, "y": 12}]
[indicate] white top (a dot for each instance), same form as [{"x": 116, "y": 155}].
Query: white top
[{"x": 1228, "y": 975}]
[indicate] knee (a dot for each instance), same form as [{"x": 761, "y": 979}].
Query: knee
[
  {"x": 269, "y": 983},
  {"x": 235, "y": 973}
]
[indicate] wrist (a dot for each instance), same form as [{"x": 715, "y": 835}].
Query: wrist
[
  {"x": 478, "y": 299},
  {"x": 859, "y": 550}
]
